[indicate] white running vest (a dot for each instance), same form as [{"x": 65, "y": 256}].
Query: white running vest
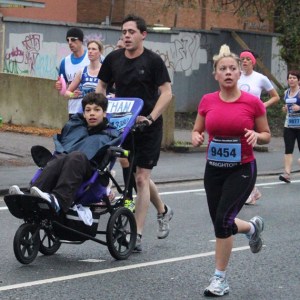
[{"x": 74, "y": 105}]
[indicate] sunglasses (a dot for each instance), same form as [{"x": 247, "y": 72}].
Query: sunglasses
[{"x": 72, "y": 39}]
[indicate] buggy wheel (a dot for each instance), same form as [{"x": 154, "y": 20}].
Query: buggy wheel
[
  {"x": 49, "y": 243},
  {"x": 121, "y": 233},
  {"x": 27, "y": 243}
]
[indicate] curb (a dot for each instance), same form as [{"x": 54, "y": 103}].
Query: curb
[
  {"x": 187, "y": 148},
  {"x": 202, "y": 148}
]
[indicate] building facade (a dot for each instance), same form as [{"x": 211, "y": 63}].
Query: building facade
[
  {"x": 33, "y": 47},
  {"x": 203, "y": 15}
]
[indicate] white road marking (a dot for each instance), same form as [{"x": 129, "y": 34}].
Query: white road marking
[
  {"x": 267, "y": 184},
  {"x": 112, "y": 270},
  {"x": 92, "y": 260}
]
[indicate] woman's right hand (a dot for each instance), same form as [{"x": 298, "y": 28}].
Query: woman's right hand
[
  {"x": 284, "y": 108},
  {"x": 197, "y": 138}
]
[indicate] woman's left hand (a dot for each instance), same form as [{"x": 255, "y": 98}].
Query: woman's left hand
[{"x": 251, "y": 136}]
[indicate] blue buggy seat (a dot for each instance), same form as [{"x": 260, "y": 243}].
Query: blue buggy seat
[{"x": 121, "y": 113}]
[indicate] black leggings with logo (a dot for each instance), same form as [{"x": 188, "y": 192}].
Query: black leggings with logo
[{"x": 227, "y": 191}]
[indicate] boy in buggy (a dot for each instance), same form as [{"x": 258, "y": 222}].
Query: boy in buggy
[{"x": 78, "y": 151}]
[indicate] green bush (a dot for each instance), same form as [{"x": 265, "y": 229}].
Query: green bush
[{"x": 276, "y": 116}]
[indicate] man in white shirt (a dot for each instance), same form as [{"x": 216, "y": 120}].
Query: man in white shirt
[{"x": 72, "y": 63}]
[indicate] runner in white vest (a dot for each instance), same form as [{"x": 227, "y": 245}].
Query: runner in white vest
[{"x": 71, "y": 64}]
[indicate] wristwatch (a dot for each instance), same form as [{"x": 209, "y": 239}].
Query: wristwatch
[{"x": 149, "y": 117}]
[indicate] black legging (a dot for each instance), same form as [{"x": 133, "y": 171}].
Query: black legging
[
  {"x": 290, "y": 136},
  {"x": 227, "y": 191}
]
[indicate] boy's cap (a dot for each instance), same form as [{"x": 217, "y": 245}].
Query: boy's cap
[{"x": 75, "y": 32}]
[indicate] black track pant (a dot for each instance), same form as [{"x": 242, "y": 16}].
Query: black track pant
[
  {"x": 290, "y": 136},
  {"x": 227, "y": 191},
  {"x": 63, "y": 175}
]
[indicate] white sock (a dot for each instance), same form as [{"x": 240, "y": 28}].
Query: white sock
[
  {"x": 251, "y": 231},
  {"x": 219, "y": 273}
]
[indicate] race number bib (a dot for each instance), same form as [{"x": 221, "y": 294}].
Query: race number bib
[
  {"x": 293, "y": 120},
  {"x": 224, "y": 152}
]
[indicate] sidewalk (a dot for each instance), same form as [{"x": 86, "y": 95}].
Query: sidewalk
[{"x": 17, "y": 167}]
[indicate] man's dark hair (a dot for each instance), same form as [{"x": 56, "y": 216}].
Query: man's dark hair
[
  {"x": 294, "y": 73},
  {"x": 140, "y": 22},
  {"x": 94, "y": 98}
]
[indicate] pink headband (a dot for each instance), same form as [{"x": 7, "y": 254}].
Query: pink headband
[{"x": 250, "y": 55}]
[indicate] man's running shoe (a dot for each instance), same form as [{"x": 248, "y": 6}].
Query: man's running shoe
[
  {"x": 163, "y": 223},
  {"x": 15, "y": 190},
  {"x": 285, "y": 178},
  {"x": 255, "y": 195},
  {"x": 218, "y": 286},
  {"x": 255, "y": 241},
  {"x": 130, "y": 204},
  {"x": 138, "y": 244}
]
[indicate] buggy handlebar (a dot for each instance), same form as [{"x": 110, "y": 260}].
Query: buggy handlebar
[
  {"x": 140, "y": 126},
  {"x": 116, "y": 151}
]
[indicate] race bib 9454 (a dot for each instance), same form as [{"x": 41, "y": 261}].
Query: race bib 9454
[{"x": 224, "y": 152}]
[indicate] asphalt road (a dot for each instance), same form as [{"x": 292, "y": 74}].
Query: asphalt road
[{"x": 178, "y": 267}]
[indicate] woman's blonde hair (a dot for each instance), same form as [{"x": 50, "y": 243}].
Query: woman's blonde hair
[
  {"x": 225, "y": 52},
  {"x": 99, "y": 44}
]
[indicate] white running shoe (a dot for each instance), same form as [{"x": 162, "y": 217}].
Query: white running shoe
[
  {"x": 218, "y": 286},
  {"x": 138, "y": 244},
  {"x": 34, "y": 191},
  {"x": 15, "y": 190},
  {"x": 255, "y": 241},
  {"x": 163, "y": 223}
]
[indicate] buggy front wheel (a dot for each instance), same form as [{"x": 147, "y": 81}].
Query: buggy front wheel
[
  {"x": 121, "y": 233},
  {"x": 49, "y": 243},
  {"x": 26, "y": 243}
]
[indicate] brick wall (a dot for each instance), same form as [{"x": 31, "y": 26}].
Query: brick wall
[
  {"x": 205, "y": 14},
  {"x": 226, "y": 18},
  {"x": 55, "y": 10},
  {"x": 91, "y": 11}
]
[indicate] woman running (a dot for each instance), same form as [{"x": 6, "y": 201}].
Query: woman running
[
  {"x": 235, "y": 121},
  {"x": 86, "y": 79},
  {"x": 291, "y": 131}
]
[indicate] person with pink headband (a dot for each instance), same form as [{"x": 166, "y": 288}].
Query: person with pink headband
[
  {"x": 248, "y": 54},
  {"x": 254, "y": 83}
]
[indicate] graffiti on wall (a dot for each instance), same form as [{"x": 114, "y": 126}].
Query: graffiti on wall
[
  {"x": 184, "y": 53},
  {"x": 93, "y": 36},
  {"x": 28, "y": 54},
  {"x": 23, "y": 51}
]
